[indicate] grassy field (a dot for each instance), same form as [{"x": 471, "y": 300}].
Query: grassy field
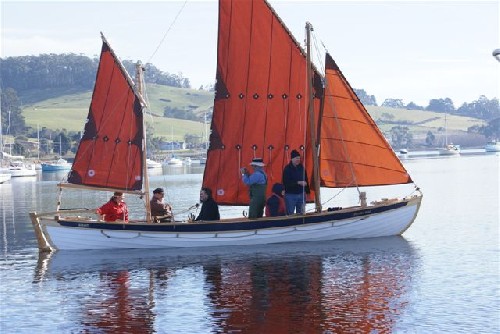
[
  {"x": 420, "y": 121},
  {"x": 69, "y": 110}
]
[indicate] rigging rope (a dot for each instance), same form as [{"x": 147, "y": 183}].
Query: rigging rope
[{"x": 168, "y": 30}]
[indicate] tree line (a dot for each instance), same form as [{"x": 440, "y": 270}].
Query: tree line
[
  {"x": 77, "y": 73},
  {"x": 69, "y": 71},
  {"x": 482, "y": 108}
]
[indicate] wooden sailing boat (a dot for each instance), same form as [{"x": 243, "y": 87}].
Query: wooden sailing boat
[{"x": 269, "y": 100}]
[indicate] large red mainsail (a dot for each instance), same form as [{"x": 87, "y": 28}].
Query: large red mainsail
[
  {"x": 261, "y": 100},
  {"x": 110, "y": 154},
  {"x": 353, "y": 150}
]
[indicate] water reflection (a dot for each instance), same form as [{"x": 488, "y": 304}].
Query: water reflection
[{"x": 326, "y": 287}]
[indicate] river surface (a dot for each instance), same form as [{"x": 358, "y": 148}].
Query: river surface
[{"x": 441, "y": 276}]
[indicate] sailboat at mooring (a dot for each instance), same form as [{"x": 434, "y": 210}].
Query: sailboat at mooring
[{"x": 269, "y": 100}]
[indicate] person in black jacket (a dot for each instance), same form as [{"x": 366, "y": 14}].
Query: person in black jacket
[
  {"x": 296, "y": 185},
  {"x": 209, "y": 208}
]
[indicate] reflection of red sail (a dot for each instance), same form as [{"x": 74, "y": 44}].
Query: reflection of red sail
[
  {"x": 261, "y": 100},
  {"x": 353, "y": 150},
  {"x": 308, "y": 296},
  {"x": 123, "y": 311},
  {"x": 110, "y": 152}
]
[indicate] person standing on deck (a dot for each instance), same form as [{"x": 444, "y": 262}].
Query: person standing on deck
[
  {"x": 296, "y": 185},
  {"x": 257, "y": 182}
]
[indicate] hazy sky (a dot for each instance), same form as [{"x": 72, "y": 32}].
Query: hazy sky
[{"x": 415, "y": 51}]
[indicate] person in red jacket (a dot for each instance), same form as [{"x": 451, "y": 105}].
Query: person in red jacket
[
  {"x": 115, "y": 209},
  {"x": 275, "y": 204}
]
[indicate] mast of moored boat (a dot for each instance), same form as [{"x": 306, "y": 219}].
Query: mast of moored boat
[
  {"x": 309, "y": 75},
  {"x": 139, "y": 84}
]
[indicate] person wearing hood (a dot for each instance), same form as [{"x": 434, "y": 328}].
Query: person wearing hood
[
  {"x": 275, "y": 204},
  {"x": 257, "y": 183}
]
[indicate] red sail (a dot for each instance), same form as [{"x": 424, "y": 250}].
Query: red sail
[
  {"x": 260, "y": 107},
  {"x": 353, "y": 150},
  {"x": 111, "y": 149}
]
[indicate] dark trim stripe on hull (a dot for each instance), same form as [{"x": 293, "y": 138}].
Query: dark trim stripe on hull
[{"x": 286, "y": 221}]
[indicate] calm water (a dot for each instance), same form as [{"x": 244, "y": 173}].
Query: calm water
[{"x": 442, "y": 276}]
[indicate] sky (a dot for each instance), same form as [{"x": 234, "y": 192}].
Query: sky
[{"x": 410, "y": 50}]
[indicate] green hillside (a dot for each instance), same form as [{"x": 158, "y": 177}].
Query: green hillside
[
  {"x": 419, "y": 121},
  {"x": 69, "y": 111}
]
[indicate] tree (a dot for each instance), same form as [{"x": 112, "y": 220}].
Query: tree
[
  {"x": 393, "y": 103},
  {"x": 367, "y": 100},
  {"x": 430, "y": 138},
  {"x": 441, "y": 105},
  {"x": 12, "y": 119},
  {"x": 413, "y": 106},
  {"x": 401, "y": 136},
  {"x": 481, "y": 108}
]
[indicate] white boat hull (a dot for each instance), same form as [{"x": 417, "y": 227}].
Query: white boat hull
[
  {"x": 446, "y": 152},
  {"x": 492, "y": 147},
  {"x": 4, "y": 178},
  {"x": 20, "y": 172},
  {"x": 370, "y": 222}
]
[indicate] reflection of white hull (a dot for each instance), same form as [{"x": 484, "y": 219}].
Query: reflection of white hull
[
  {"x": 152, "y": 164},
  {"x": 350, "y": 223},
  {"x": 492, "y": 147},
  {"x": 4, "y": 178},
  {"x": 174, "y": 162}
]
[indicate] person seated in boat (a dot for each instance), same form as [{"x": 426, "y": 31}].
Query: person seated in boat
[
  {"x": 160, "y": 211},
  {"x": 296, "y": 185},
  {"x": 275, "y": 204},
  {"x": 115, "y": 209},
  {"x": 209, "y": 208},
  {"x": 257, "y": 183}
]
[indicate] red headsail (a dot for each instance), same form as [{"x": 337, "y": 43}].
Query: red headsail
[
  {"x": 353, "y": 150},
  {"x": 110, "y": 154}
]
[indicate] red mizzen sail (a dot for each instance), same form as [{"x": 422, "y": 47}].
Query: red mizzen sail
[
  {"x": 261, "y": 100},
  {"x": 110, "y": 154},
  {"x": 353, "y": 150}
]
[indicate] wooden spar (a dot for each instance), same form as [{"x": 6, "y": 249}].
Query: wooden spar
[
  {"x": 140, "y": 89},
  {"x": 309, "y": 72},
  {"x": 43, "y": 244},
  {"x": 85, "y": 187}
]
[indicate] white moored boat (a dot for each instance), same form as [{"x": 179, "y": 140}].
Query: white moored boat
[
  {"x": 19, "y": 169},
  {"x": 492, "y": 146},
  {"x": 354, "y": 153}
]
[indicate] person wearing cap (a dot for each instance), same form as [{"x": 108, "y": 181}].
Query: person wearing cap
[
  {"x": 115, "y": 209},
  {"x": 160, "y": 210},
  {"x": 296, "y": 184},
  {"x": 257, "y": 183},
  {"x": 275, "y": 204}
]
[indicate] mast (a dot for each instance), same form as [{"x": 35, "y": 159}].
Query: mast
[
  {"x": 140, "y": 89},
  {"x": 309, "y": 72}
]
